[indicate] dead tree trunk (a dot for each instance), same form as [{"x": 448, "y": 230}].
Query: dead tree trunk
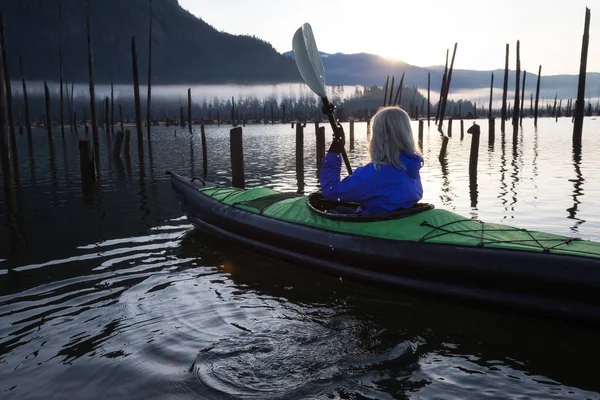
[
  {"x": 91, "y": 73},
  {"x": 515, "y": 116},
  {"x": 136, "y": 93},
  {"x": 522, "y": 98},
  {"x": 447, "y": 87},
  {"x": 491, "y": 95},
  {"x": 580, "y": 104},
  {"x": 504, "y": 90},
  {"x": 7, "y": 84},
  {"x": 537, "y": 96},
  {"x": 26, "y": 100},
  {"x": 112, "y": 108},
  {"x": 148, "y": 111},
  {"x": 60, "y": 61}
]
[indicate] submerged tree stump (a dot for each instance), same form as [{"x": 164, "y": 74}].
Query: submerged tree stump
[
  {"x": 48, "y": 113},
  {"x": 491, "y": 131},
  {"x": 300, "y": 156},
  {"x": 444, "y": 147},
  {"x": 421, "y": 135},
  {"x": 237, "y": 158},
  {"x": 136, "y": 92},
  {"x": 118, "y": 144},
  {"x": 204, "y": 151},
  {"x": 320, "y": 140},
  {"x": 87, "y": 161},
  {"x": 474, "y": 156}
]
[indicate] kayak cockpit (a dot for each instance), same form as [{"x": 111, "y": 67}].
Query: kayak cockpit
[{"x": 327, "y": 209}]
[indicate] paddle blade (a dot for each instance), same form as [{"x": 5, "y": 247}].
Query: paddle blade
[{"x": 308, "y": 60}]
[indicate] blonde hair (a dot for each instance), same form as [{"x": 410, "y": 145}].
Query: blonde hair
[{"x": 391, "y": 135}]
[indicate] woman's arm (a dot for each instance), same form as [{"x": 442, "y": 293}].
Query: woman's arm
[{"x": 351, "y": 188}]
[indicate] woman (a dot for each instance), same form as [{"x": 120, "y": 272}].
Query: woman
[{"x": 391, "y": 180}]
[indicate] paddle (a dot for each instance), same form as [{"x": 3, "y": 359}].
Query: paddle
[{"x": 311, "y": 68}]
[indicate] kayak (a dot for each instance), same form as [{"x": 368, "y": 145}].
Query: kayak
[{"x": 422, "y": 251}]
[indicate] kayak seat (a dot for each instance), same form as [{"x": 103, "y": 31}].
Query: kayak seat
[{"x": 327, "y": 209}]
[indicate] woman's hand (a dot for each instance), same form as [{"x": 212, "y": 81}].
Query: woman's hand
[{"x": 338, "y": 143}]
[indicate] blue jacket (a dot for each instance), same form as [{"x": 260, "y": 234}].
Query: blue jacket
[{"x": 378, "y": 190}]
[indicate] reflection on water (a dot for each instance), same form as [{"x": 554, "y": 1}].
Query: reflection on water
[
  {"x": 107, "y": 289},
  {"x": 577, "y": 189}
]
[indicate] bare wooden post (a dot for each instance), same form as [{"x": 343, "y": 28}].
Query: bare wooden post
[
  {"x": 491, "y": 95},
  {"x": 91, "y": 74},
  {"x": 69, "y": 108},
  {"x": 387, "y": 81},
  {"x": 300, "y": 156},
  {"x": 5, "y": 158},
  {"x": 237, "y": 158},
  {"x": 85, "y": 120},
  {"x": 112, "y": 108},
  {"x": 73, "y": 105},
  {"x": 75, "y": 122},
  {"x": 320, "y": 148},
  {"x": 428, "y": 98},
  {"x": 522, "y": 98},
  {"x": 515, "y": 117},
  {"x": 190, "y": 110},
  {"x": 421, "y": 134},
  {"x": 48, "y": 114},
  {"x": 316, "y": 127},
  {"x": 121, "y": 118},
  {"x": 7, "y": 83},
  {"x": 462, "y": 129},
  {"x": 368, "y": 127},
  {"x": 87, "y": 161},
  {"x": 148, "y": 111},
  {"x": 25, "y": 99},
  {"x": 492, "y": 131},
  {"x": 444, "y": 77},
  {"x": 398, "y": 98},
  {"x": 449, "y": 127},
  {"x": 391, "y": 90},
  {"x": 444, "y": 147},
  {"x": 136, "y": 92},
  {"x": 504, "y": 90},
  {"x": 272, "y": 117},
  {"x": 204, "y": 151},
  {"x": 127, "y": 142},
  {"x": 107, "y": 115},
  {"x": 352, "y": 134},
  {"x": 118, "y": 144},
  {"x": 531, "y": 104},
  {"x": 60, "y": 62},
  {"x": 580, "y": 103},
  {"x": 447, "y": 88},
  {"x": 475, "y": 131}
]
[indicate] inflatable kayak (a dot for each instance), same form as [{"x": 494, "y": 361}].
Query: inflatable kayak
[{"x": 422, "y": 250}]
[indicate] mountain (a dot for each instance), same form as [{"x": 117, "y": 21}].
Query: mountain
[
  {"x": 370, "y": 69},
  {"x": 185, "y": 49}
]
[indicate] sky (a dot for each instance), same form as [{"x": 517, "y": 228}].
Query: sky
[{"x": 419, "y": 32}]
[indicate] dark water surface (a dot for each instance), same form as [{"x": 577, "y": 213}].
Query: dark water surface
[{"x": 109, "y": 293}]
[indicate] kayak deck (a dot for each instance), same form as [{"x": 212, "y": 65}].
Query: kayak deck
[
  {"x": 432, "y": 226},
  {"x": 435, "y": 253}
]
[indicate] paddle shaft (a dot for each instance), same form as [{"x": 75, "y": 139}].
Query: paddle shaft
[{"x": 337, "y": 130}]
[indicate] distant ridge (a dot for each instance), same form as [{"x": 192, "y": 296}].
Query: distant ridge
[
  {"x": 185, "y": 48},
  {"x": 370, "y": 69}
]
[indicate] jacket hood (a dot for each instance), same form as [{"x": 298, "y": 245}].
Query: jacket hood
[{"x": 412, "y": 162}]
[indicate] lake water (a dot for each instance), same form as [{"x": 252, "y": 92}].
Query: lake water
[{"x": 110, "y": 293}]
